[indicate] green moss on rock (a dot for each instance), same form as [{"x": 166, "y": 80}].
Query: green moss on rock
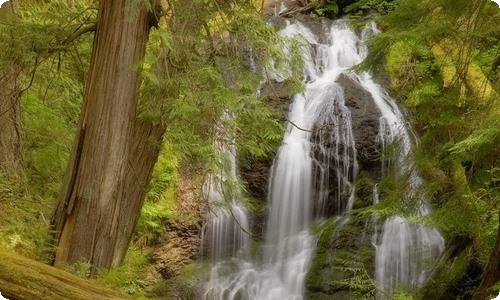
[
  {"x": 364, "y": 192},
  {"x": 343, "y": 264}
]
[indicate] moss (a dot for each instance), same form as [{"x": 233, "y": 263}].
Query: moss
[
  {"x": 447, "y": 54},
  {"x": 398, "y": 64},
  {"x": 401, "y": 295},
  {"x": 343, "y": 263},
  {"x": 364, "y": 191},
  {"x": 22, "y": 278}
]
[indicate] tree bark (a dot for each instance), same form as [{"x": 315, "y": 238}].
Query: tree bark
[
  {"x": 95, "y": 202},
  {"x": 22, "y": 278},
  {"x": 10, "y": 122},
  {"x": 491, "y": 274},
  {"x": 10, "y": 108},
  {"x": 144, "y": 153}
]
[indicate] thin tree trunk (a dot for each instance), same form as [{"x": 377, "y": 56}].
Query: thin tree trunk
[
  {"x": 147, "y": 134},
  {"x": 491, "y": 274},
  {"x": 10, "y": 122},
  {"x": 142, "y": 158},
  {"x": 94, "y": 203},
  {"x": 10, "y": 108}
]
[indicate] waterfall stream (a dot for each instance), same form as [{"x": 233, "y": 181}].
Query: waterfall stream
[{"x": 300, "y": 175}]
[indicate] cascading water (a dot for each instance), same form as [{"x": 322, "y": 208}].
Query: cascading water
[
  {"x": 224, "y": 234},
  {"x": 319, "y": 138},
  {"x": 403, "y": 250}
]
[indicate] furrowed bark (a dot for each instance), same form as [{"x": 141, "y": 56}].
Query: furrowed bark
[
  {"x": 142, "y": 158},
  {"x": 95, "y": 200}
]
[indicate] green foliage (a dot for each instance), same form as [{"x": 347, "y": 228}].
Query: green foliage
[
  {"x": 330, "y": 9},
  {"x": 186, "y": 285},
  {"x": 365, "y": 6},
  {"x": 426, "y": 92},
  {"x": 21, "y": 208},
  {"x": 80, "y": 268},
  {"x": 401, "y": 295},
  {"x": 411, "y": 70},
  {"x": 204, "y": 77},
  {"x": 398, "y": 197},
  {"x": 336, "y": 8},
  {"x": 363, "y": 191},
  {"x": 46, "y": 157},
  {"x": 51, "y": 56},
  {"x": 43, "y": 32},
  {"x": 128, "y": 277},
  {"x": 160, "y": 202},
  {"x": 458, "y": 126},
  {"x": 357, "y": 280},
  {"x": 480, "y": 140}
]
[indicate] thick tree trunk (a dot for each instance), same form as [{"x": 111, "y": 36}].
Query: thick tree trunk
[
  {"x": 95, "y": 202},
  {"x": 22, "y": 278}
]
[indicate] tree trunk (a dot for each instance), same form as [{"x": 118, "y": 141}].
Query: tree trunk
[
  {"x": 95, "y": 203},
  {"x": 10, "y": 122},
  {"x": 491, "y": 274},
  {"x": 144, "y": 152},
  {"x": 22, "y": 278},
  {"x": 10, "y": 116}
]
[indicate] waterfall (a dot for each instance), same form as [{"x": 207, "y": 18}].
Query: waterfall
[
  {"x": 319, "y": 138},
  {"x": 403, "y": 250},
  {"x": 226, "y": 231}
]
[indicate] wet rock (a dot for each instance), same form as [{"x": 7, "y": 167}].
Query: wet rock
[
  {"x": 365, "y": 125},
  {"x": 278, "y": 96},
  {"x": 256, "y": 175},
  {"x": 332, "y": 156},
  {"x": 254, "y": 171}
]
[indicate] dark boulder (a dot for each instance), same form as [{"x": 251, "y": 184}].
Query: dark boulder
[{"x": 365, "y": 117}]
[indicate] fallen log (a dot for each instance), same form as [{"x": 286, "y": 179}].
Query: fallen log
[{"x": 25, "y": 279}]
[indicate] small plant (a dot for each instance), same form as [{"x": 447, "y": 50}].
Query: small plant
[{"x": 80, "y": 268}]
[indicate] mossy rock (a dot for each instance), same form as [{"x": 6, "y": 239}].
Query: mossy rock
[
  {"x": 364, "y": 192},
  {"x": 344, "y": 261},
  {"x": 184, "y": 286}
]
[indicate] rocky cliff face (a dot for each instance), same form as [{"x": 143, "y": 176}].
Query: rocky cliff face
[{"x": 180, "y": 245}]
